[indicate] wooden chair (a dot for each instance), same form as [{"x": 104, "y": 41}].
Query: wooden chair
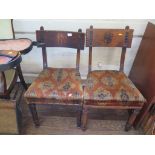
[
  {"x": 60, "y": 86},
  {"x": 110, "y": 89},
  {"x": 8, "y": 42}
]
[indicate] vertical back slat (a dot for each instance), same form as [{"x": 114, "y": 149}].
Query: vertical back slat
[
  {"x": 44, "y": 53},
  {"x": 90, "y": 40},
  {"x": 78, "y": 52},
  {"x": 122, "y": 60},
  {"x": 126, "y": 42}
]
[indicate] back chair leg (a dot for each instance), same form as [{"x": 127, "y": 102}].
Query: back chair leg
[
  {"x": 131, "y": 119},
  {"x": 79, "y": 115},
  {"x": 84, "y": 118},
  {"x": 33, "y": 111}
]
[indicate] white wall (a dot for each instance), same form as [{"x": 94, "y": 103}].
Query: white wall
[{"x": 102, "y": 58}]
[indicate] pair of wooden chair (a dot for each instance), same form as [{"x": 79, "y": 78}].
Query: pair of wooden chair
[{"x": 107, "y": 89}]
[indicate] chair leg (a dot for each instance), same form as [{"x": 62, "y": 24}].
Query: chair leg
[
  {"x": 20, "y": 74},
  {"x": 79, "y": 115},
  {"x": 131, "y": 119},
  {"x": 84, "y": 119},
  {"x": 130, "y": 112},
  {"x": 33, "y": 111}
]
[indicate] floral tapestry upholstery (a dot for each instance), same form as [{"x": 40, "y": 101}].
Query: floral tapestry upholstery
[
  {"x": 108, "y": 86},
  {"x": 57, "y": 84}
]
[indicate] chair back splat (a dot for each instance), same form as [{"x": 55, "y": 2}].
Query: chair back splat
[
  {"x": 109, "y": 38},
  {"x": 66, "y": 39}
]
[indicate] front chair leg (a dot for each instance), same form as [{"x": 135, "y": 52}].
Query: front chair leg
[
  {"x": 33, "y": 111},
  {"x": 79, "y": 115},
  {"x": 84, "y": 119},
  {"x": 131, "y": 119}
]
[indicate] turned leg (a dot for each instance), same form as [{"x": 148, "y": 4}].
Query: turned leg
[
  {"x": 131, "y": 119},
  {"x": 84, "y": 119},
  {"x": 33, "y": 111},
  {"x": 79, "y": 115},
  {"x": 20, "y": 74}
]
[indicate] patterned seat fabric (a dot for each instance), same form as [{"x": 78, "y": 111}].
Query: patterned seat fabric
[
  {"x": 57, "y": 84},
  {"x": 109, "y": 86}
]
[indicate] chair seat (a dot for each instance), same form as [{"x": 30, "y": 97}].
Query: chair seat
[
  {"x": 111, "y": 88},
  {"x": 56, "y": 84},
  {"x": 15, "y": 44}
]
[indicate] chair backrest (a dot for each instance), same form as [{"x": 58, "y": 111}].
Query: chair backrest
[
  {"x": 65, "y": 39},
  {"x": 109, "y": 38}
]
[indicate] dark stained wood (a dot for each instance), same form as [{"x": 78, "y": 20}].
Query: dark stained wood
[
  {"x": 19, "y": 71},
  {"x": 90, "y": 59},
  {"x": 60, "y": 38},
  {"x": 109, "y": 38},
  {"x": 131, "y": 119},
  {"x": 79, "y": 114},
  {"x": 33, "y": 111},
  {"x": 122, "y": 59},
  {"x": 66, "y": 39},
  {"x": 78, "y": 53},
  {"x": 143, "y": 70},
  {"x": 84, "y": 118},
  {"x": 78, "y": 60},
  {"x": 44, "y": 53},
  {"x": 3, "y": 81},
  {"x": 59, "y": 120},
  {"x": 12, "y": 85}
]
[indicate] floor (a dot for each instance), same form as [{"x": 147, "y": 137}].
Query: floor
[{"x": 62, "y": 121}]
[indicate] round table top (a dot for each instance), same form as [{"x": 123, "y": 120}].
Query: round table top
[{"x": 9, "y": 59}]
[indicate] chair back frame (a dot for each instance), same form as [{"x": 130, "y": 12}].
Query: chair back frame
[
  {"x": 109, "y": 38},
  {"x": 66, "y": 39}
]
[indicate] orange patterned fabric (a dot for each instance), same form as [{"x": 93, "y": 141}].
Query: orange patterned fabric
[
  {"x": 111, "y": 86},
  {"x": 57, "y": 84}
]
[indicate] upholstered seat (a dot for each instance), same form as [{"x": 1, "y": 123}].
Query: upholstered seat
[
  {"x": 61, "y": 86},
  {"x": 56, "y": 84},
  {"x": 106, "y": 89},
  {"x": 15, "y": 44},
  {"x": 110, "y": 86}
]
